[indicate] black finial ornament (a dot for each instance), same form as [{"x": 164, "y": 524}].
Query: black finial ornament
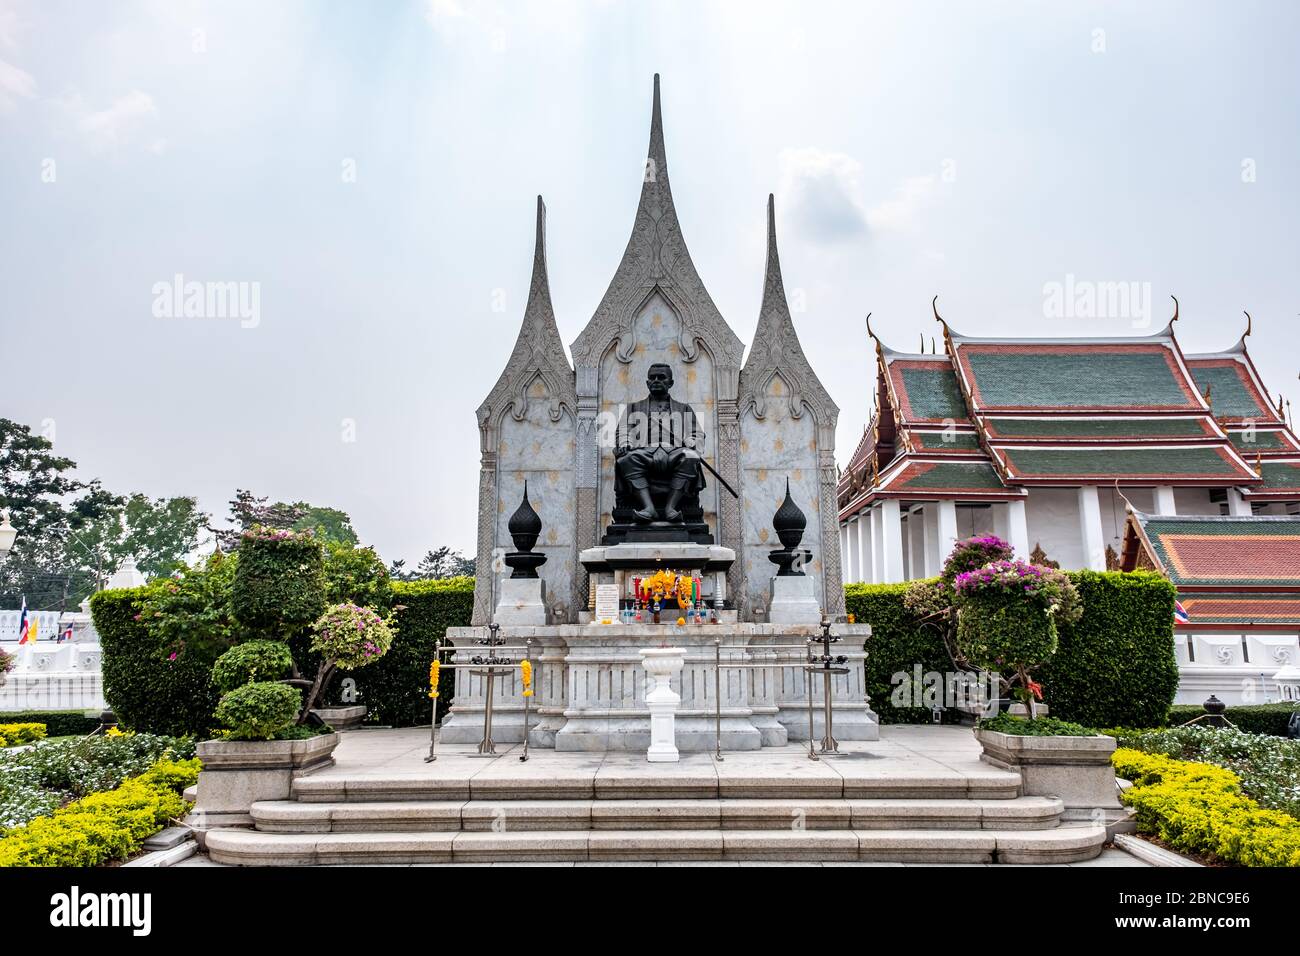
[
  {"x": 525, "y": 525},
  {"x": 789, "y": 522}
]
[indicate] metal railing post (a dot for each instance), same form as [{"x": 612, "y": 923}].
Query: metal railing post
[
  {"x": 433, "y": 717},
  {"x": 528, "y": 656},
  {"x": 717, "y": 693}
]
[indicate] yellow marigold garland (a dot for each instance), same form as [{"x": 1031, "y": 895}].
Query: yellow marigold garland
[
  {"x": 435, "y": 668},
  {"x": 526, "y": 675}
]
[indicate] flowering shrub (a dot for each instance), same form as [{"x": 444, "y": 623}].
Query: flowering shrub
[
  {"x": 103, "y": 826},
  {"x": 350, "y": 636},
  {"x": 971, "y": 553},
  {"x": 1007, "y": 617},
  {"x": 1267, "y": 767},
  {"x": 1199, "y": 808},
  {"x": 7, "y": 663},
  {"x": 12, "y": 734},
  {"x": 259, "y": 711}
]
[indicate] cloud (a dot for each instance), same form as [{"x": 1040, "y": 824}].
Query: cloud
[
  {"x": 823, "y": 192},
  {"x": 899, "y": 211},
  {"x": 8, "y": 26},
  {"x": 440, "y": 12},
  {"x": 15, "y": 84},
  {"x": 119, "y": 124}
]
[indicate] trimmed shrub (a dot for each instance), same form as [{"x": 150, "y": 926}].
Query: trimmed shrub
[
  {"x": 58, "y": 723},
  {"x": 1198, "y": 808},
  {"x": 13, "y": 734},
  {"x": 279, "y": 581},
  {"x": 103, "y": 826},
  {"x": 259, "y": 711},
  {"x": 150, "y": 685},
  {"x": 1113, "y": 667},
  {"x": 1271, "y": 719},
  {"x": 899, "y": 644},
  {"x": 1005, "y": 723},
  {"x": 395, "y": 689},
  {"x": 250, "y": 662}
]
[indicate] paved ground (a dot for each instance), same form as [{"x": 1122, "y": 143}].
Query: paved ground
[{"x": 923, "y": 752}]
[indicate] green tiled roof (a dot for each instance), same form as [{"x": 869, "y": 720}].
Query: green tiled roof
[
  {"x": 1097, "y": 427},
  {"x": 1093, "y": 379},
  {"x": 1232, "y": 552},
  {"x": 949, "y": 441},
  {"x": 934, "y": 394},
  {"x": 1061, "y": 462},
  {"x": 1261, "y": 441},
  {"x": 1280, "y": 474},
  {"x": 956, "y": 474},
  {"x": 1229, "y": 397}
]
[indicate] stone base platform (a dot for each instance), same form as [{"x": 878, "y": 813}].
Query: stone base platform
[
  {"x": 589, "y": 692},
  {"x": 919, "y": 794}
]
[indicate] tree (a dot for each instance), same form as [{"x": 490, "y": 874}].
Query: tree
[
  {"x": 159, "y": 534},
  {"x": 246, "y": 510},
  {"x": 441, "y": 563},
  {"x": 47, "y": 506}
]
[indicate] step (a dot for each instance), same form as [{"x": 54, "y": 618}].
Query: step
[
  {"x": 988, "y": 784},
  {"x": 254, "y": 848},
  {"x": 1019, "y": 813}
]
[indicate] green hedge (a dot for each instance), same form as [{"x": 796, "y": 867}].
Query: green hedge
[
  {"x": 147, "y": 690},
  {"x": 1114, "y": 668},
  {"x": 1268, "y": 719},
  {"x": 58, "y": 723},
  {"x": 395, "y": 688},
  {"x": 897, "y": 644}
]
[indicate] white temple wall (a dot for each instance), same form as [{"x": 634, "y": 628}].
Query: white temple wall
[
  {"x": 1052, "y": 515},
  {"x": 1195, "y": 501}
]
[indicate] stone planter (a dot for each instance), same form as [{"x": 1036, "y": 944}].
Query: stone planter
[
  {"x": 1075, "y": 769},
  {"x": 341, "y": 718},
  {"x": 238, "y": 773}
]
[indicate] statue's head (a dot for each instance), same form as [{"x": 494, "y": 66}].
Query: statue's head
[{"x": 659, "y": 379}]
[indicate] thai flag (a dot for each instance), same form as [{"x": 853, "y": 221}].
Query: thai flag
[
  {"x": 65, "y": 634},
  {"x": 1180, "y": 613},
  {"x": 24, "y": 624}
]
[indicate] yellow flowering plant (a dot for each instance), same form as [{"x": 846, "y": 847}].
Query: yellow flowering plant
[
  {"x": 526, "y": 676},
  {"x": 435, "y": 670}
]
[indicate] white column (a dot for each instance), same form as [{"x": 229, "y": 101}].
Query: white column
[
  {"x": 855, "y": 529},
  {"x": 1091, "y": 534},
  {"x": 1018, "y": 529},
  {"x": 1165, "y": 500},
  {"x": 1238, "y": 506},
  {"x": 844, "y": 553},
  {"x": 891, "y": 541},
  {"x": 915, "y": 544},
  {"x": 947, "y": 519},
  {"x": 877, "y": 546},
  {"x": 933, "y": 559},
  {"x": 864, "y": 548}
]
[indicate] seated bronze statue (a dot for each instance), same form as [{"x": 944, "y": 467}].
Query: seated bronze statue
[{"x": 657, "y": 463}]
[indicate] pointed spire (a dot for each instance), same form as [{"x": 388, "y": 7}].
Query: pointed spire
[
  {"x": 773, "y": 287},
  {"x": 657, "y": 157},
  {"x": 539, "y": 291}
]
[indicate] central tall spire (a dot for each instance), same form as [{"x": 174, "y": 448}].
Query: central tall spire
[{"x": 656, "y": 258}]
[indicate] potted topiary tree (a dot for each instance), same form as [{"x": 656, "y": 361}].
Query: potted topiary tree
[
  {"x": 278, "y": 591},
  {"x": 346, "y": 637}
]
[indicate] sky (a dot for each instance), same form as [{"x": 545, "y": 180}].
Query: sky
[{"x": 365, "y": 175}]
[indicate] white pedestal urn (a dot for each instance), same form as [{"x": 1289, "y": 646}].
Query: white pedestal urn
[{"x": 661, "y": 663}]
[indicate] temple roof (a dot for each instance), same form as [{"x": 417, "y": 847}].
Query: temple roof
[
  {"x": 1210, "y": 551},
  {"x": 1075, "y": 410}
]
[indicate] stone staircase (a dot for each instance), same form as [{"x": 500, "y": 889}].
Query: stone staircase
[{"x": 759, "y": 813}]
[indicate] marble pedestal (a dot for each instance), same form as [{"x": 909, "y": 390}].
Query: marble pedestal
[
  {"x": 521, "y": 601},
  {"x": 590, "y": 693},
  {"x": 793, "y": 600}
]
